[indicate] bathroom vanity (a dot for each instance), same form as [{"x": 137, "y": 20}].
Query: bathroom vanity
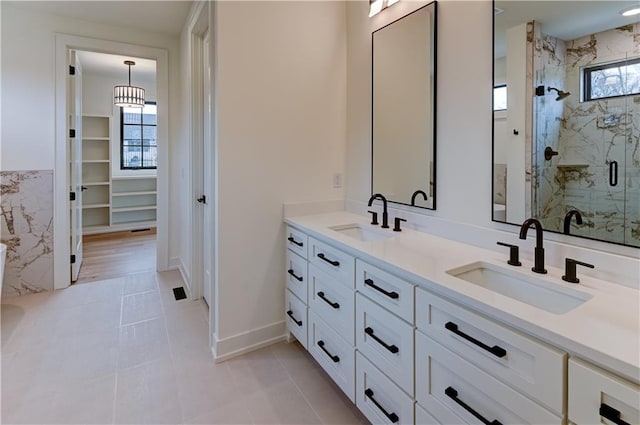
[{"x": 419, "y": 329}]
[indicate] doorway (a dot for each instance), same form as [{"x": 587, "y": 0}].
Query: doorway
[{"x": 101, "y": 199}]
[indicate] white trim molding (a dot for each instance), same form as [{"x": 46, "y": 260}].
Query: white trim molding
[{"x": 236, "y": 345}]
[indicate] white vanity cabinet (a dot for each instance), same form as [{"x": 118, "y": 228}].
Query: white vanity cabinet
[
  {"x": 296, "y": 267},
  {"x": 596, "y": 395}
]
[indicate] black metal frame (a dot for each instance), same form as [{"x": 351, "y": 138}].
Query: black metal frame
[
  {"x": 142, "y": 126},
  {"x": 435, "y": 97},
  {"x": 588, "y": 70}
]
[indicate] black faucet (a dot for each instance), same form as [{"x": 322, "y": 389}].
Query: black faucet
[
  {"x": 538, "y": 266},
  {"x": 385, "y": 214},
  {"x": 416, "y": 193},
  {"x": 567, "y": 220}
]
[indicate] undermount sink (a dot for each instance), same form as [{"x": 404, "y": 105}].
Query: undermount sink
[
  {"x": 361, "y": 232},
  {"x": 530, "y": 290}
]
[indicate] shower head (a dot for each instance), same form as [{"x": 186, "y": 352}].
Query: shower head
[{"x": 561, "y": 94}]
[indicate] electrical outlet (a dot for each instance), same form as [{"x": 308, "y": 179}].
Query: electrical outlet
[{"x": 337, "y": 180}]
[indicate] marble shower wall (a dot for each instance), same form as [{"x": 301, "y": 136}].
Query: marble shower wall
[
  {"x": 590, "y": 136},
  {"x": 26, "y": 227}
]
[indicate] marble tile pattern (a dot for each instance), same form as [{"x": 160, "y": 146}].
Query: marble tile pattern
[
  {"x": 26, "y": 221},
  {"x": 590, "y": 135},
  {"x": 85, "y": 355}
]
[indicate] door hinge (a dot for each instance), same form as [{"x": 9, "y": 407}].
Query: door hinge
[
  {"x": 72, "y": 196},
  {"x": 72, "y": 133},
  {"x": 72, "y": 70},
  {"x": 73, "y": 258}
]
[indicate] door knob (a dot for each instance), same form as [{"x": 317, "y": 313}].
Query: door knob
[{"x": 202, "y": 199}]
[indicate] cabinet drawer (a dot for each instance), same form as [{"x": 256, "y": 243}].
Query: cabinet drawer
[
  {"x": 595, "y": 395},
  {"x": 431, "y": 418},
  {"x": 336, "y": 356},
  {"x": 391, "y": 292},
  {"x": 386, "y": 340},
  {"x": 296, "y": 241},
  {"x": 332, "y": 261},
  {"x": 466, "y": 390},
  {"x": 296, "y": 269},
  {"x": 378, "y": 398},
  {"x": 296, "y": 312},
  {"x": 333, "y": 302},
  {"x": 532, "y": 367}
]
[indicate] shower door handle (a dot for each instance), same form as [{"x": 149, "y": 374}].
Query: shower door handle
[{"x": 613, "y": 173}]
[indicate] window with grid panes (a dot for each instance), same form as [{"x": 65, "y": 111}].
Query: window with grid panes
[{"x": 139, "y": 140}]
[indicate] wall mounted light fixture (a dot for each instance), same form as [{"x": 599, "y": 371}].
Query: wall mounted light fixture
[
  {"x": 128, "y": 96},
  {"x": 376, "y": 6}
]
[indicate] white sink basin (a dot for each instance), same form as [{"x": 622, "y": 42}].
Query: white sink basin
[
  {"x": 545, "y": 295},
  {"x": 361, "y": 232}
]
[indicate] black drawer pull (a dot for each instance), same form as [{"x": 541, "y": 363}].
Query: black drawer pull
[
  {"x": 453, "y": 394},
  {"x": 292, "y": 273},
  {"x": 392, "y": 348},
  {"x": 332, "y": 262},
  {"x": 393, "y": 294},
  {"x": 496, "y": 350},
  {"x": 290, "y": 314},
  {"x": 611, "y": 414},
  {"x": 613, "y": 173},
  {"x": 290, "y": 239},
  {"x": 332, "y": 304},
  {"x": 391, "y": 416},
  {"x": 335, "y": 359}
]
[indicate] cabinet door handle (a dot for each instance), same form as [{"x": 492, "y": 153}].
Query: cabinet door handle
[
  {"x": 391, "y": 416},
  {"x": 335, "y": 359},
  {"x": 332, "y": 304},
  {"x": 495, "y": 350},
  {"x": 611, "y": 414},
  {"x": 292, "y": 273},
  {"x": 392, "y": 294},
  {"x": 453, "y": 395},
  {"x": 613, "y": 173},
  {"x": 290, "y": 314},
  {"x": 292, "y": 240},
  {"x": 392, "y": 348},
  {"x": 332, "y": 262}
]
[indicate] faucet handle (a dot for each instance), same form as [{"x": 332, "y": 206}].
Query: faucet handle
[
  {"x": 514, "y": 254},
  {"x": 396, "y": 224},
  {"x": 374, "y": 218},
  {"x": 570, "y": 269}
]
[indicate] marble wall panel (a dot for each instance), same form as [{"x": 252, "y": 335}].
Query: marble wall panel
[{"x": 26, "y": 227}]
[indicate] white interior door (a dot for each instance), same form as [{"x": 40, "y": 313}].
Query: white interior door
[
  {"x": 207, "y": 150},
  {"x": 75, "y": 161}
]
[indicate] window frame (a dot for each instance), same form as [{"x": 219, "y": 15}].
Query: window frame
[
  {"x": 142, "y": 125},
  {"x": 589, "y": 69}
]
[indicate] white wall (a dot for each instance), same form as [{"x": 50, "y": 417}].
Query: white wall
[{"x": 281, "y": 98}]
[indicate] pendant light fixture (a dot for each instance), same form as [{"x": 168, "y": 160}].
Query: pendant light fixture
[{"x": 128, "y": 96}]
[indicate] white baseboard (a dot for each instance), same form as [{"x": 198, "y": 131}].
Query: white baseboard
[
  {"x": 226, "y": 348},
  {"x": 178, "y": 263}
]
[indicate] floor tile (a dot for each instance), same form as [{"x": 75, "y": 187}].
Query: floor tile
[
  {"x": 281, "y": 403},
  {"x": 143, "y": 342},
  {"x": 235, "y": 413},
  {"x": 140, "y": 307}
]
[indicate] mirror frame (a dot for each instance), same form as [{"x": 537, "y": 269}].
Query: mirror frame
[
  {"x": 434, "y": 47},
  {"x": 574, "y": 238}
]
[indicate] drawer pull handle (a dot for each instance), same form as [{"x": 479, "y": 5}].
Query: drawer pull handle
[
  {"x": 453, "y": 395},
  {"x": 292, "y": 273},
  {"x": 292, "y": 240},
  {"x": 611, "y": 414},
  {"x": 391, "y": 416},
  {"x": 496, "y": 350},
  {"x": 290, "y": 314},
  {"x": 332, "y": 304},
  {"x": 393, "y": 294},
  {"x": 335, "y": 359},
  {"x": 392, "y": 348},
  {"x": 332, "y": 262}
]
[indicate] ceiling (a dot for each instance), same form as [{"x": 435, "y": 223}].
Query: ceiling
[
  {"x": 113, "y": 66},
  {"x": 166, "y": 17},
  {"x": 566, "y": 20}
]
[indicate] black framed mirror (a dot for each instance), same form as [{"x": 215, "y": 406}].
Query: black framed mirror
[
  {"x": 566, "y": 120},
  {"x": 403, "y": 109}
]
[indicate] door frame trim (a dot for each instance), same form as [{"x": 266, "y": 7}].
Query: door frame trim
[{"x": 61, "y": 222}]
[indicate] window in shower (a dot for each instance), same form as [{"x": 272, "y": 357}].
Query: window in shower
[{"x": 615, "y": 79}]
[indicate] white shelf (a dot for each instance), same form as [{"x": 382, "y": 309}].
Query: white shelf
[
  {"x": 95, "y": 161},
  {"x": 89, "y": 206},
  {"x": 136, "y": 208},
  {"x": 96, "y": 183},
  {"x": 106, "y": 139},
  {"x": 150, "y": 192},
  {"x": 96, "y": 154}
]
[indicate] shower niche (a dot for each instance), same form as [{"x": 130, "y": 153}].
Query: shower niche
[{"x": 569, "y": 136}]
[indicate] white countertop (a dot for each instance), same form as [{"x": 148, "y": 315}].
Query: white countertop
[{"x": 604, "y": 330}]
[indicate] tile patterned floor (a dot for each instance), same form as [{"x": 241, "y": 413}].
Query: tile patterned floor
[{"x": 124, "y": 351}]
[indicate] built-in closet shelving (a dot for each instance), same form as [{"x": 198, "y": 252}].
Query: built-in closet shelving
[{"x": 111, "y": 203}]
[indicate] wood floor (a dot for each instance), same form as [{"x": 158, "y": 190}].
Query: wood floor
[{"x": 111, "y": 255}]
